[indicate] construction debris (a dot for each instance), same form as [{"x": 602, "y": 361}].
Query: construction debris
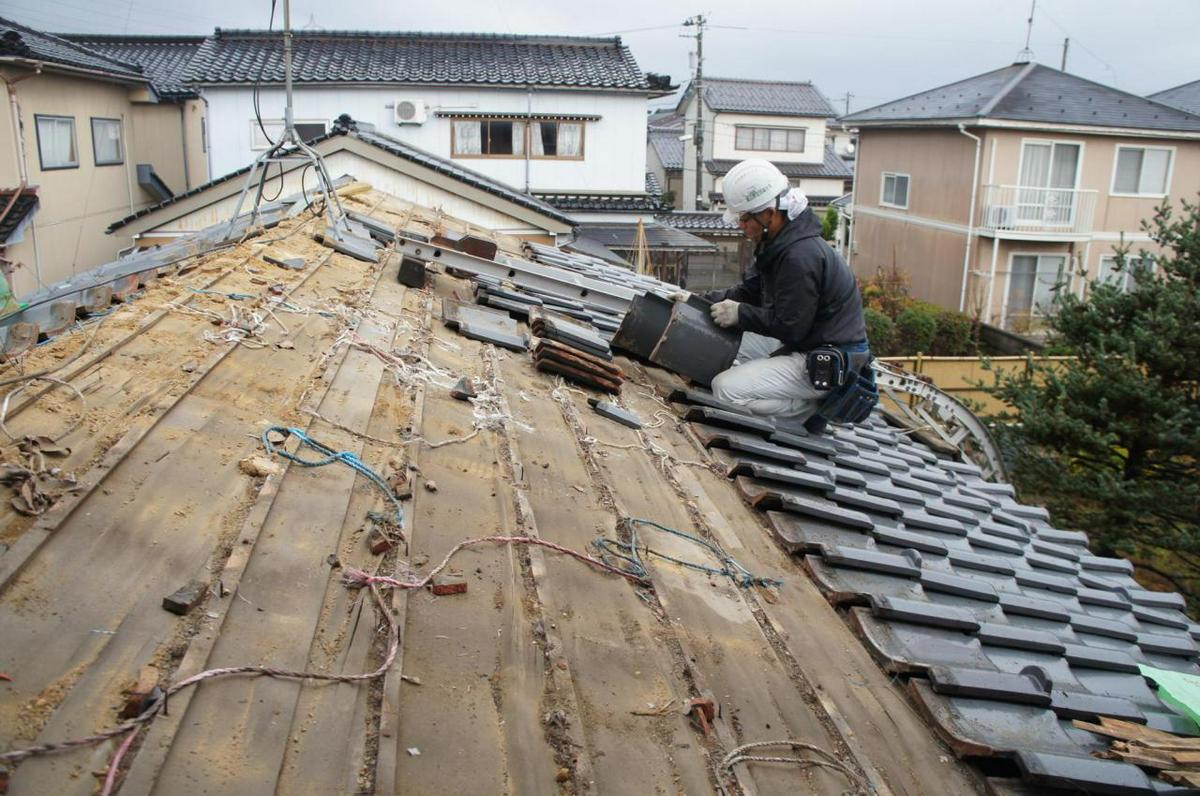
[
  {"x": 258, "y": 466},
  {"x": 1175, "y": 758},
  {"x": 553, "y": 357},
  {"x": 144, "y": 693},
  {"x": 186, "y": 598},
  {"x": 613, "y": 412},
  {"x": 444, "y": 585},
  {"x": 464, "y": 389}
]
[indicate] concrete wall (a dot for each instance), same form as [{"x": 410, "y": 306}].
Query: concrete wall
[
  {"x": 614, "y": 146},
  {"x": 723, "y": 138},
  {"x": 77, "y": 204}
]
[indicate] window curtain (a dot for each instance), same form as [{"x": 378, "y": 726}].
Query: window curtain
[
  {"x": 468, "y": 138},
  {"x": 58, "y": 141},
  {"x": 1035, "y": 172},
  {"x": 1155, "y": 164},
  {"x": 1049, "y": 274},
  {"x": 107, "y": 135},
  {"x": 535, "y": 140},
  {"x": 570, "y": 140}
]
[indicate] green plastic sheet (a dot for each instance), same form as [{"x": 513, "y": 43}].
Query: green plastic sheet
[{"x": 1180, "y": 691}]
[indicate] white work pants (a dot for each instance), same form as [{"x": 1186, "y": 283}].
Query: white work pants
[{"x": 774, "y": 386}]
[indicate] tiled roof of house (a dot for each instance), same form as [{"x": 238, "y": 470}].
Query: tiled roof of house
[
  {"x": 1030, "y": 92},
  {"x": 668, "y": 147},
  {"x": 1186, "y": 97},
  {"x": 394, "y": 147},
  {"x": 768, "y": 97},
  {"x": 668, "y": 119},
  {"x": 833, "y": 167},
  {"x": 163, "y": 58},
  {"x": 24, "y": 204},
  {"x": 648, "y": 202},
  {"x": 19, "y": 41},
  {"x": 699, "y": 223},
  {"x": 658, "y": 237},
  {"x": 652, "y": 185},
  {"x": 328, "y": 56}
]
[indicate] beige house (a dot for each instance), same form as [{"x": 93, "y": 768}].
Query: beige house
[
  {"x": 992, "y": 191},
  {"x": 96, "y": 137},
  {"x": 786, "y": 123}
]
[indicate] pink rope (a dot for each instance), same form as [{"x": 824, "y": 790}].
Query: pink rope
[
  {"x": 351, "y": 578},
  {"x": 111, "y": 779}
]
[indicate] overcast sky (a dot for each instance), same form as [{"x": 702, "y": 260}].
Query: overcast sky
[{"x": 877, "y": 50}]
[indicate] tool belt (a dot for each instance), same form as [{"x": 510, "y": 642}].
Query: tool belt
[{"x": 848, "y": 378}]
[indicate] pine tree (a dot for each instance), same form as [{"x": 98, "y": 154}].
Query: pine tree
[{"x": 1109, "y": 441}]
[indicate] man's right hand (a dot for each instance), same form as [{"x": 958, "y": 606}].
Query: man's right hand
[{"x": 680, "y": 295}]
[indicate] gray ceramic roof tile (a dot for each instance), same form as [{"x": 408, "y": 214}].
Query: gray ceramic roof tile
[
  {"x": 328, "y": 56},
  {"x": 983, "y": 541},
  {"x": 940, "y": 508},
  {"x": 972, "y": 588},
  {"x": 964, "y": 501},
  {"x": 806, "y": 443},
  {"x": 829, "y": 512},
  {"x": 1083, "y": 623},
  {"x": 1019, "y": 638},
  {"x": 915, "y": 518},
  {"x": 1056, "y": 550},
  {"x": 789, "y": 476},
  {"x": 19, "y": 41},
  {"x": 1106, "y": 599},
  {"x": 1050, "y": 563},
  {"x": 1103, "y": 564},
  {"x": 1082, "y": 774},
  {"x": 767, "y": 97},
  {"x": 1001, "y": 531},
  {"x": 1090, "y": 657},
  {"x": 668, "y": 148},
  {"x": 831, "y": 167},
  {"x": 1078, "y": 538},
  {"x": 735, "y": 420},
  {"x": 163, "y": 58},
  {"x": 1181, "y": 645},
  {"x": 933, "y": 476},
  {"x": 884, "y": 488},
  {"x": 916, "y": 484},
  {"x": 981, "y": 563},
  {"x": 862, "y": 463},
  {"x": 1023, "y": 605},
  {"x": 866, "y": 502},
  {"x": 913, "y": 648},
  {"x": 1156, "y": 599},
  {"x": 998, "y": 686},
  {"x": 1172, "y": 619},
  {"x": 719, "y": 437},
  {"x": 1030, "y": 92},
  {"x": 915, "y": 541},
  {"x": 923, "y": 613},
  {"x": 849, "y": 478},
  {"x": 1089, "y": 707},
  {"x": 810, "y": 535},
  {"x": 1040, "y": 580},
  {"x": 872, "y": 561},
  {"x": 1004, "y": 518},
  {"x": 992, "y": 500}
]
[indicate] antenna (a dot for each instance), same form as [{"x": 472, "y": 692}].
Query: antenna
[
  {"x": 1027, "y": 54},
  {"x": 291, "y": 148}
]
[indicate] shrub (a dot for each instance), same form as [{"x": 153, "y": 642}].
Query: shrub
[
  {"x": 916, "y": 327},
  {"x": 829, "y": 223},
  {"x": 955, "y": 335},
  {"x": 881, "y": 332}
]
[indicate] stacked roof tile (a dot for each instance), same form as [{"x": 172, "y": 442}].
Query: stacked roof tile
[
  {"x": 163, "y": 58},
  {"x": 1007, "y": 627},
  {"x": 246, "y": 56}
]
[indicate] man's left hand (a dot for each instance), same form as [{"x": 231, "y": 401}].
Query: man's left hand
[{"x": 725, "y": 313}]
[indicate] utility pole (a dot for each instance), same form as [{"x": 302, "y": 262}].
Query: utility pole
[
  {"x": 698, "y": 23},
  {"x": 847, "y": 98},
  {"x": 1066, "y": 44}
]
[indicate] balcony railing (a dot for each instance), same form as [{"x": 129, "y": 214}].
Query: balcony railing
[{"x": 1037, "y": 211}]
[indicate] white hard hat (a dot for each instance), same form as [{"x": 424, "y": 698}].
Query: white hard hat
[{"x": 751, "y": 186}]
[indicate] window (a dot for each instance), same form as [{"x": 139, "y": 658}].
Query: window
[
  {"x": 1142, "y": 171},
  {"x": 895, "y": 190},
  {"x": 768, "y": 139},
  {"x": 1123, "y": 278},
  {"x": 56, "y": 142},
  {"x": 106, "y": 142},
  {"x": 489, "y": 138},
  {"x": 556, "y": 140},
  {"x": 1046, "y": 195},
  {"x": 306, "y": 130},
  {"x": 1031, "y": 287}
]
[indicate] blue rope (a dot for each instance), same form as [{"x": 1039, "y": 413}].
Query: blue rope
[
  {"x": 627, "y": 552},
  {"x": 330, "y": 456}
]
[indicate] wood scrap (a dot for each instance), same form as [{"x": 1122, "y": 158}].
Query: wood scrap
[
  {"x": 1176, "y": 759},
  {"x": 587, "y": 379}
]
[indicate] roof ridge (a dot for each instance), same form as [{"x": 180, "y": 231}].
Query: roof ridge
[
  {"x": 134, "y": 38},
  {"x": 1172, "y": 88},
  {"x": 991, "y": 104},
  {"x": 1123, "y": 92},
  {"x": 760, "y": 80},
  {"x": 252, "y": 33}
]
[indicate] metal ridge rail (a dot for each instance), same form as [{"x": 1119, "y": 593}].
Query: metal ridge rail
[{"x": 523, "y": 274}]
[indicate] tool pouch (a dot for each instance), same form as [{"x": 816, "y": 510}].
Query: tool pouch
[{"x": 852, "y": 391}]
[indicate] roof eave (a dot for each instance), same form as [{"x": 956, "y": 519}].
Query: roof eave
[
  {"x": 55, "y": 66},
  {"x": 1023, "y": 124},
  {"x": 418, "y": 84}
]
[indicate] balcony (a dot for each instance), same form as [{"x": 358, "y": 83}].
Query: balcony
[{"x": 1014, "y": 211}]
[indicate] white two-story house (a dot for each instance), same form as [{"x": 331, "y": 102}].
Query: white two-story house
[
  {"x": 785, "y": 123},
  {"x": 547, "y": 115}
]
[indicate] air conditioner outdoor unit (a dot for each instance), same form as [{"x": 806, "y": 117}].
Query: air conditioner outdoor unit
[
  {"x": 410, "y": 111},
  {"x": 997, "y": 216}
]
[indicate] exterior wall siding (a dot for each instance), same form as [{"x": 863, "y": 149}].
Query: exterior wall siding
[
  {"x": 614, "y": 146},
  {"x": 724, "y": 137},
  {"x": 77, "y": 204}
]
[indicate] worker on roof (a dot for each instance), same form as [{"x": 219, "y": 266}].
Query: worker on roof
[{"x": 799, "y": 291}]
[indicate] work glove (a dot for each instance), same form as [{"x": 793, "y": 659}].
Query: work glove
[
  {"x": 725, "y": 313},
  {"x": 680, "y": 295}
]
